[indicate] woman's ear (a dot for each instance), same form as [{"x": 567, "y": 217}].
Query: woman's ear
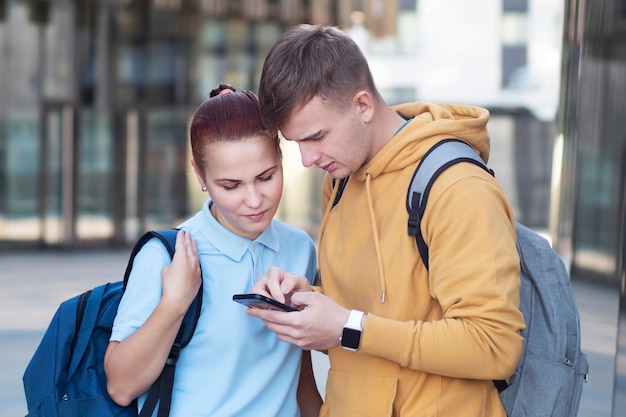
[
  {"x": 199, "y": 175},
  {"x": 364, "y": 103}
]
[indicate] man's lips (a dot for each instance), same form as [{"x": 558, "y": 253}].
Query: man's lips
[{"x": 328, "y": 167}]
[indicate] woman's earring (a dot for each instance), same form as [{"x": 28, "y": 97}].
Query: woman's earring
[{"x": 204, "y": 189}]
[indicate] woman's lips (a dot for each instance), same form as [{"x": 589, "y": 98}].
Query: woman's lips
[{"x": 256, "y": 216}]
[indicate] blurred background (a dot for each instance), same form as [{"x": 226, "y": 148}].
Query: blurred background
[{"x": 96, "y": 96}]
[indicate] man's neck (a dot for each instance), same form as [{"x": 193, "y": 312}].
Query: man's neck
[{"x": 386, "y": 125}]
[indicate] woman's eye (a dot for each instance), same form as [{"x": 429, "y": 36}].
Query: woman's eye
[
  {"x": 269, "y": 177},
  {"x": 229, "y": 187}
]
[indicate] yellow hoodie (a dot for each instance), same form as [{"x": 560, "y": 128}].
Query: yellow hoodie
[{"x": 432, "y": 342}]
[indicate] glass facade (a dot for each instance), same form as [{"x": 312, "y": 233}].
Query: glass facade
[
  {"x": 588, "y": 215},
  {"x": 96, "y": 99},
  {"x": 589, "y": 180}
]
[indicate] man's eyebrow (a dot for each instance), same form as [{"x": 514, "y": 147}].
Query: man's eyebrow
[{"x": 309, "y": 137}]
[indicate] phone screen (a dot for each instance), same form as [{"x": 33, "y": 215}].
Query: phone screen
[{"x": 261, "y": 301}]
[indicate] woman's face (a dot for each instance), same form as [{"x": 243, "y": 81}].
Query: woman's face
[{"x": 245, "y": 182}]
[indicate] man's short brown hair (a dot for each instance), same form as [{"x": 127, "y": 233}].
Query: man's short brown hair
[{"x": 309, "y": 61}]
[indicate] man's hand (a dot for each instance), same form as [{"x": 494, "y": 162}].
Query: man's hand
[{"x": 318, "y": 325}]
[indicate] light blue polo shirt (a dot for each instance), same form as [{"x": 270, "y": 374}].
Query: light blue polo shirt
[{"x": 233, "y": 366}]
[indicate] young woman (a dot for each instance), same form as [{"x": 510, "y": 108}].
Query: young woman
[{"x": 233, "y": 366}]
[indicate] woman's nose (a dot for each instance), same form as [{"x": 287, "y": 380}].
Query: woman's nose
[{"x": 253, "y": 197}]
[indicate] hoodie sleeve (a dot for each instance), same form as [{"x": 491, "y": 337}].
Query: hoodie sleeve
[{"x": 474, "y": 279}]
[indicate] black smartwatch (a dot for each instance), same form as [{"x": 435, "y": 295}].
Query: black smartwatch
[{"x": 351, "y": 336}]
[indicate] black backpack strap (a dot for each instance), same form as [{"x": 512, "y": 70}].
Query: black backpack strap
[
  {"x": 161, "y": 390},
  {"x": 342, "y": 185},
  {"x": 80, "y": 313},
  {"x": 167, "y": 237},
  {"x": 442, "y": 155},
  {"x": 86, "y": 316},
  {"x": 500, "y": 384}
]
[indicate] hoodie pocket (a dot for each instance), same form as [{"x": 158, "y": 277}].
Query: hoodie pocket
[{"x": 349, "y": 395}]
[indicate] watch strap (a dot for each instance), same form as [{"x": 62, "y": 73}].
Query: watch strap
[{"x": 354, "y": 320}]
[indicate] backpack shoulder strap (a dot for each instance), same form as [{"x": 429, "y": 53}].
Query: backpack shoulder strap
[
  {"x": 160, "y": 392},
  {"x": 342, "y": 185},
  {"x": 88, "y": 308},
  {"x": 442, "y": 155},
  {"x": 167, "y": 237},
  {"x": 438, "y": 158}
]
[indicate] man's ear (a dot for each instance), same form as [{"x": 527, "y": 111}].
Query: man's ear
[{"x": 364, "y": 103}]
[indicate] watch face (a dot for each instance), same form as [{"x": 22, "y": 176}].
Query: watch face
[{"x": 351, "y": 338}]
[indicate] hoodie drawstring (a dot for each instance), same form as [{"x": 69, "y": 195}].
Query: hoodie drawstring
[{"x": 381, "y": 271}]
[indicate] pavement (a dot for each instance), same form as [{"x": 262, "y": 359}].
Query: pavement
[{"x": 34, "y": 283}]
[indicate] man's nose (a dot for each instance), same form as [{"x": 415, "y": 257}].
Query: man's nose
[{"x": 309, "y": 157}]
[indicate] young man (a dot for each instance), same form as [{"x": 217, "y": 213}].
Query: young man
[{"x": 422, "y": 342}]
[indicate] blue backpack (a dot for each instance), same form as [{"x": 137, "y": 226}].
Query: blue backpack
[
  {"x": 65, "y": 377},
  {"x": 549, "y": 376}
]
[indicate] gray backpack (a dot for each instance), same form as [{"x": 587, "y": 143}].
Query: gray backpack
[{"x": 549, "y": 376}]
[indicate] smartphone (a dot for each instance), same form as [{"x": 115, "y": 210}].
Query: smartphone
[{"x": 261, "y": 301}]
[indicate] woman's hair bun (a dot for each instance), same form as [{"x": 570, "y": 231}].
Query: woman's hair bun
[{"x": 221, "y": 89}]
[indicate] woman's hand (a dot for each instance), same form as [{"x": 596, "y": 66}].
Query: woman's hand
[
  {"x": 182, "y": 278},
  {"x": 280, "y": 285}
]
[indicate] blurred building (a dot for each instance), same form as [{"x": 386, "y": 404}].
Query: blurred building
[
  {"x": 589, "y": 182},
  {"x": 95, "y": 97},
  {"x": 501, "y": 54}
]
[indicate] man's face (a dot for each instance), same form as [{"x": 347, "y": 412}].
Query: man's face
[{"x": 334, "y": 139}]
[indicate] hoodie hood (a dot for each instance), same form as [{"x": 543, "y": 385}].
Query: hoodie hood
[{"x": 429, "y": 124}]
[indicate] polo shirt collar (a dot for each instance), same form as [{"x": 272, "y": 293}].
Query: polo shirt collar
[{"x": 231, "y": 244}]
